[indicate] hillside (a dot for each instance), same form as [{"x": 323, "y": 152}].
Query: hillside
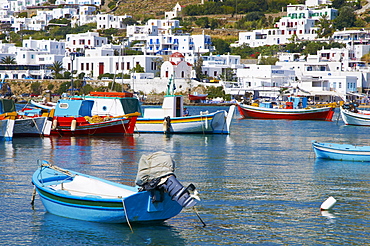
[{"x": 145, "y": 9}]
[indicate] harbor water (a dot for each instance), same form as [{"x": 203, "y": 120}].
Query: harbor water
[{"x": 260, "y": 185}]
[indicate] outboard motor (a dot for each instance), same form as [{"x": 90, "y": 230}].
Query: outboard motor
[{"x": 156, "y": 173}]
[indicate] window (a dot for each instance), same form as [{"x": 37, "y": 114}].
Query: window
[
  {"x": 340, "y": 85},
  {"x": 82, "y": 66},
  {"x": 87, "y": 66},
  {"x": 128, "y": 66}
]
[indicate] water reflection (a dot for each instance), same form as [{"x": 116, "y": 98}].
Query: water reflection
[{"x": 68, "y": 231}]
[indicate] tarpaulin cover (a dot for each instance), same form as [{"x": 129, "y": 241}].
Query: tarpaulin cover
[{"x": 156, "y": 165}]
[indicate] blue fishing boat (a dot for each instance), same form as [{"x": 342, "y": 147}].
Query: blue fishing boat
[
  {"x": 343, "y": 152},
  {"x": 158, "y": 195}
]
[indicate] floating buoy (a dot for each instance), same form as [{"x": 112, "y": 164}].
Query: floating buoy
[
  {"x": 73, "y": 125},
  {"x": 328, "y": 204}
]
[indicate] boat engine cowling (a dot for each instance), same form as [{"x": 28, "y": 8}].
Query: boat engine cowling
[{"x": 156, "y": 172}]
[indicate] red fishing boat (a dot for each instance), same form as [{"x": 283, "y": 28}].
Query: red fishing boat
[
  {"x": 195, "y": 97},
  {"x": 74, "y": 117},
  {"x": 291, "y": 111}
]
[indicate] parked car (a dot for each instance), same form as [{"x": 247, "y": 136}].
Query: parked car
[{"x": 34, "y": 95}]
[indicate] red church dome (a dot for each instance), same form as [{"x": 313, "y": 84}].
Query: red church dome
[{"x": 177, "y": 54}]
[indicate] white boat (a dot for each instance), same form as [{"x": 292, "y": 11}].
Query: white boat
[
  {"x": 351, "y": 115},
  {"x": 43, "y": 105},
  {"x": 167, "y": 119}
]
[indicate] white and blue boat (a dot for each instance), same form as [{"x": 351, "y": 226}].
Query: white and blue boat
[
  {"x": 158, "y": 195},
  {"x": 343, "y": 152}
]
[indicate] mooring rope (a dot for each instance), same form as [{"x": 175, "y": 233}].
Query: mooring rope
[{"x": 124, "y": 208}]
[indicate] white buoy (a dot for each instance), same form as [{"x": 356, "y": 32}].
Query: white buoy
[{"x": 328, "y": 204}]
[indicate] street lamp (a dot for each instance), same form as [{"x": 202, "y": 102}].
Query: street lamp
[{"x": 73, "y": 57}]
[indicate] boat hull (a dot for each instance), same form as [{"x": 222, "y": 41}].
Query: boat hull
[
  {"x": 31, "y": 127},
  {"x": 361, "y": 118},
  {"x": 251, "y": 112},
  {"x": 197, "y": 97},
  {"x": 213, "y": 123},
  {"x": 342, "y": 152},
  {"x": 6, "y": 127},
  {"x": 63, "y": 126}
]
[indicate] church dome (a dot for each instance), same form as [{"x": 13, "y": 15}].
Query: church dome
[{"x": 177, "y": 54}]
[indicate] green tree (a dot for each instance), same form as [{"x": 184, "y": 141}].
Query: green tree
[
  {"x": 36, "y": 88},
  {"x": 57, "y": 67},
  {"x": 270, "y": 60},
  {"x": 129, "y": 21},
  {"x": 64, "y": 87},
  {"x": 218, "y": 91},
  {"x": 222, "y": 47},
  {"x": 227, "y": 74},
  {"x": 8, "y": 60},
  {"x": 87, "y": 89},
  {"x": 346, "y": 18},
  {"x": 202, "y": 22},
  {"x": 198, "y": 68},
  {"x": 138, "y": 69},
  {"x": 325, "y": 27},
  {"x": 244, "y": 50}
]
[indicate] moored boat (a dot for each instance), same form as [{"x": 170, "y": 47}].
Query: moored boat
[
  {"x": 351, "y": 115},
  {"x": 294, "y": 110},
  {"x": 169, "y": 118},
  {"x": 343, "y": 152},
  {"x": 158, "y": 195},
  {"x": 74, "y": 117},
  {"x": 197, "y": 97}
]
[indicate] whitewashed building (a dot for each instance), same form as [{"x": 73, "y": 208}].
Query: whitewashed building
[
  {"x": 83, "y": 41},
  {"x": 106, "y": 21},
  {"x": 93, "y": 66},
  {"x": 174, "y": 13},
  {"x": 163, "y": 37},
  {"x": 299, "y": 22}
]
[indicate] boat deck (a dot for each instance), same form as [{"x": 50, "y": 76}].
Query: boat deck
[{"x": 84, "y": 186}]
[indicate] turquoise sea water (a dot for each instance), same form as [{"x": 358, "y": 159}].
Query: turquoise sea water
[{"x": 260, "y": 185}]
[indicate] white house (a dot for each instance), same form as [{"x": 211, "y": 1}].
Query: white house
[
  {"x": 300, "y": 22},
  {"x": 93, "y": 66},
  {"x": 106, "y": 21},
  {"x": 174, "y": 13},
  {"x": 82, "y": 41}
]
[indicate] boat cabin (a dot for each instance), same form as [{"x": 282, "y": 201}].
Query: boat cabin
[
  {"x": 113, "y": 103},
  {"x": 297, "y": 102},
  {"x": 173, "y": 106},
  {"x": 74, "y": 108}
]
